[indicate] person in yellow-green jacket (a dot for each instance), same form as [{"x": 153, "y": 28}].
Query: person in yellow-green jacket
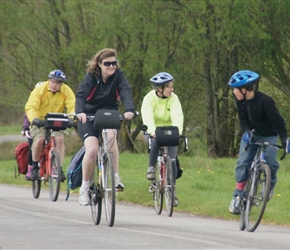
[
  {"x": 161, "y": 107},
  {"x": 51, "y": 96}
]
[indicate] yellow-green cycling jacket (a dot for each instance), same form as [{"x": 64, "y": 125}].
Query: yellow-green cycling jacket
[
  {"x": 42, "y": 100},
  {"x": 156, "y": 112}
]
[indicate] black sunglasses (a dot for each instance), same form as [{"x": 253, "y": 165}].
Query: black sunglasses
[{"x": 107, "y": 64}]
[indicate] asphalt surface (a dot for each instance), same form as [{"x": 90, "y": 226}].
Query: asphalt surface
[{"x": 28, "y": 223}]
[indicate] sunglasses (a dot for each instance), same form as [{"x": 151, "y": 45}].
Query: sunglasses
[{"x": 108, "y": 64}]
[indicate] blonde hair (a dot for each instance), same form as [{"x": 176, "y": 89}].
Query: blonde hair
[{"x": 92, "y": 65}]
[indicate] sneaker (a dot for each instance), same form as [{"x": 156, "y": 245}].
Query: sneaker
[
  {"x": 63, "y": 178},
  {"x": 118, "y": 184},
  {"x": 235, "y": 205},
  {"x": 150, "y": 175},
  {"x": 176, "y": 201},
  {"x": 28, "y": 174},
  {"x": 84, "y": 198},
  {"x": 34, "y": 176}
]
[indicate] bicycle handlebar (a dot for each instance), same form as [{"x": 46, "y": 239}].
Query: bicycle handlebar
[
  {"x": 121, "y": 117},
  {"x": 184, "y": 137},
  {"x": 263, "y": 143}
]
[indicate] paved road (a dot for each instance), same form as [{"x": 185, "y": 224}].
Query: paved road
[
  {"x": 4, "y": 138},
  {"x": 27, "y": 223}
]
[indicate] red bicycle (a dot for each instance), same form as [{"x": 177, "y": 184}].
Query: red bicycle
[
  {"x": 164, "y": 182},
  {"x": 49, "y": 164}
]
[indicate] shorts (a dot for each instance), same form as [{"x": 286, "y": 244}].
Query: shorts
[
  {"x": 37, "y": 132},
  {"x": 87, "y": 129}
]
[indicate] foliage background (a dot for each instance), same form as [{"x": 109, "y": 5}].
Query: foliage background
[{"x": 201, "y": 43}]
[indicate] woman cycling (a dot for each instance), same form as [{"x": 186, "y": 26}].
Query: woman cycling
[
  {"x": 161, "y": 107},
  {"x": 100, "y": 88}
]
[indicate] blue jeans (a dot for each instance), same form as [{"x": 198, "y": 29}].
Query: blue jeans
[{"x": 246, "y": 157}]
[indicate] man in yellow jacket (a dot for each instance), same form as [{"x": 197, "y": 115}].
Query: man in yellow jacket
[{"x": 51, "y": 96}]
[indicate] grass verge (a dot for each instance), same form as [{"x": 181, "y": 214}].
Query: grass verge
[{"x": 204, "y": 189}]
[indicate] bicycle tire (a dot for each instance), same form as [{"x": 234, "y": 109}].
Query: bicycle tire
[
  {"x": 169, "y": 185},
  {"x": 109, "y": 188},
  {"x": 257, "y": 197},
  {"x": 96, "y": 203},
  {"x": 54, "y": 175},
  {"x": 158, "y": 192},
  {"x": 242, "y": 222},
  {"x": 36, "y": 187}
]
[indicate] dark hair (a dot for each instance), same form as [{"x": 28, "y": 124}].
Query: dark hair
[{"x": 92, "y": 65}]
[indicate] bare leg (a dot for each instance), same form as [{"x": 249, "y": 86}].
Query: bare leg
[
  {"x": 37, "y": 148},
  {"x": 113, "y": 148},
  {"x": 89, "y": 161},
  {"x": 60, "y": 148}
]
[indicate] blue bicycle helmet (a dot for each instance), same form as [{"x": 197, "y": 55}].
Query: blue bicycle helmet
[
  {"x": 244, "y": 79},
  {"x": 57, "y": 75},
  {"x": 161, "y": 78}
]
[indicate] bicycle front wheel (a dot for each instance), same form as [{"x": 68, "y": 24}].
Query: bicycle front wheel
[
  {"x": 54, "y": 176},
  {"x": 36, "y": 186},
  {"x": 257, "y": 197},
  {"x": 96, "y": 203},
  {"x": 169, "y": 185},
  {"x": 109, "y": 188},
  {"x": 158, "y": 191}
]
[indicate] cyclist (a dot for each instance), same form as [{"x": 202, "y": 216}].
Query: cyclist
[
  {"x": 100, "y": 88},
  {"x": 258, "y": 111},
  {"x": 51, "y": 96},
  {"x": 161, "y": 107}
]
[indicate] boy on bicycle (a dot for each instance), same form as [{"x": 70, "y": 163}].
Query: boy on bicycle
[
  {"x": 51, "y": 96},
  {"x": 161, "y": 107},
  {"x": 258, "y": 111}
]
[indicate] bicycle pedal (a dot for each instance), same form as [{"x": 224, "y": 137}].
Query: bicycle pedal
[{"x": 119, "y": 189}]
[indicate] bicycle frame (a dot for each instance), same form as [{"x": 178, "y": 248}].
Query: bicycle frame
[
  {"x": 45, "y": 161},
  {"x": 257, "y": 188}
]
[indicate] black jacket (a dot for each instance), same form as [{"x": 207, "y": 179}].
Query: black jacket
[
  {"x": 93, "y": 93},
  {"x": 261, "y": 114}
]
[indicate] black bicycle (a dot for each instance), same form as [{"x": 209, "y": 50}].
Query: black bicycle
[{"x": 257, "y": 188}]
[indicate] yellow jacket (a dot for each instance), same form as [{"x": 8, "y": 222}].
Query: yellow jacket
[
  {"x": 42, "y": 100},
  {"x": 156, "y": 112}
]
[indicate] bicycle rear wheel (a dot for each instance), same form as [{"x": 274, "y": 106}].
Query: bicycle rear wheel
[
  {"x": 169, "y": 185},
  {"x": 96, "y": 203},
  {"x": 54, "y": 175},
  {"x": 109, "y": 188},
  {"x": 158, "y": 192},
  {"x": 257, "y": 197}
]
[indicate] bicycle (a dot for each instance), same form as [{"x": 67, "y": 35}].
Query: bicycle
[
  {"x": 103, "y": 179},
  {"x": 49, "y": 163},
  {"x": 164, "y": 176},
  {"x": 257, "y": 187}
]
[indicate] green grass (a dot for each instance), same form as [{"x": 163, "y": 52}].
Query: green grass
[
  {"x": 10, "y": 129},
  {"x": 204, "y": 189}
]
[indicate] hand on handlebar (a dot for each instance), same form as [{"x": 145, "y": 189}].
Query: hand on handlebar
[
  {"x": 37, "y": 122},
  {"x": 82, "y": 117}
]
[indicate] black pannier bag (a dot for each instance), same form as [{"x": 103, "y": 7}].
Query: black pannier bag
[
  {"x": 56, "y": 121},
  {"x": 107, "y": 118},
  {"x": 167, "y": 136}
]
